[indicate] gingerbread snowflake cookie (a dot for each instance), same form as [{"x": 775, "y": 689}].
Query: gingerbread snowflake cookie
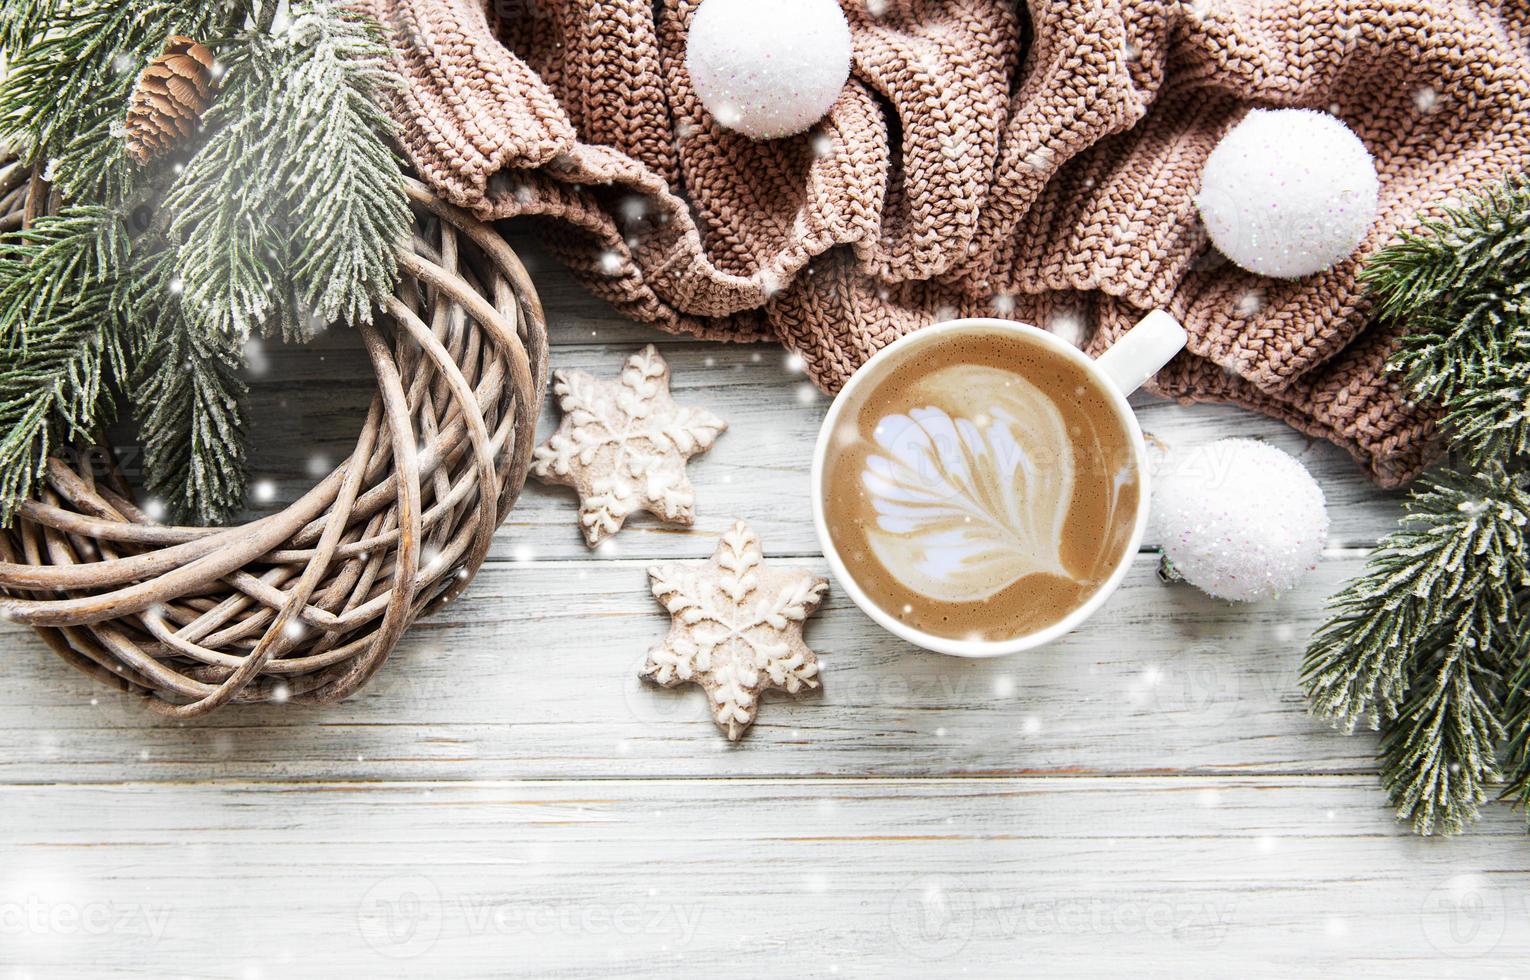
[
  {"x": 736, "y": 628},
  {"x": 623, "y": 446}
]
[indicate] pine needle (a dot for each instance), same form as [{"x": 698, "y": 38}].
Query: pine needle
[
  {"x": 190, "y": 395},
  {"x": 53, "y": 267},
  {"x": 193, "y": 423},
  {"x": 1429, "y": 643},
  {"x": 1463, "y": 537},
  {"x": 1517, "y": 753},
  {"x": 70, "y": 76},
  {"x": 298, "y": 184},
  {"x": 285, "y": 216},
  {"x": 61, "y": 335},
  {"x": 21, "y": 21},
  {"x": 1462, "y": 288}
]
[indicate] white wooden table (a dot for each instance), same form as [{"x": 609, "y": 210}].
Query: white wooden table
[{"x": 1146, "y": 797}]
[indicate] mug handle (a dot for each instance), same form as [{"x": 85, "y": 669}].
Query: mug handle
[{"x": 1139, "y": 353}]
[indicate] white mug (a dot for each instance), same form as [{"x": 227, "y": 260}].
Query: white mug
[{"x": 1132, "y": 360}]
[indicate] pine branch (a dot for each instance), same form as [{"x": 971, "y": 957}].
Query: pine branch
[
  {"x": 1438, "y": 758},
  {"x": 58, "y": 392},
  {"x": 192, "y": 420},
  {"x": 1486, "y": 241},
  {"x": 1460, "y": 536},
  {"x": 286, "y": 218},
  {"x": 230, "y": 225},
  {"x": 1419, "y": 644},
  {"x": 61, "y": 336},
  {"x": 1493, "y": 421},
  {"x": 192, "y": 397},
  {"x": 69, "y": 81},
  {"x": 1517, "y": 712},
  {"x": 1429, "y": 643},
  {"x": 348, "y": 182},
  {"x": 48, "y": 270},
  {"x": 21, "y": 21},
  {"x": 1462, "y": 288},
  {"x": 297, "y": 183}
]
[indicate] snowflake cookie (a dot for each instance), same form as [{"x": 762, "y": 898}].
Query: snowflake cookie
[
  {"x": 736, "y": 629},
  {"x": 623, "y": 445}
]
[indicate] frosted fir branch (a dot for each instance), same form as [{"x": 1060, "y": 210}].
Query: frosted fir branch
[
  {"x": 1516, "y": 755},
  {"x": 1428, "y": 644},
  {"x": 58, "y": 391},
  {"x": 23, "y": 20},
  {"x": 352, "y": 213},
  {"x": 1462, "y": 545},
  {"x": 286, "y": 217},
  {"x": 1473, "y": 361},
  {"x": 1439, "y": 758},
  {"x": 60, "y": 338},
  {"x": 1482, "y": 243},
  {"x": 1494, "y": 421},
  {"x": 72, "y": 69},
  {"x": 229, "y": 221},
  {"x": 49, "y": 270},
  {"x": 1419, "y": 645},
  {"x": 193, "y": 420},
  {"x": 297, "y": 186},
  {"x": 1462, "y": 290}
]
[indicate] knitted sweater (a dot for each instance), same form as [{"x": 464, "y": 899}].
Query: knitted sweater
[{"x": 1039, "y": 164}]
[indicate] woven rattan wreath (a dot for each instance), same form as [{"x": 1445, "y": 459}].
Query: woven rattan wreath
[{"x": 306, "y": 604}]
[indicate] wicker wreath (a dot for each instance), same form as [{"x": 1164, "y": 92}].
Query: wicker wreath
[{"x": 306, "y": 604}]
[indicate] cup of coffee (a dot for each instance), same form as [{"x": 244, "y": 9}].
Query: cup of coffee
[{"x": 980, "y": 486}]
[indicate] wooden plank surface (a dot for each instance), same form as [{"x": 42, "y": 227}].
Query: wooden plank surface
[
  {"x": 533, "y": 674},
  {"x": 1082, "y": 877},
  {"x": 1146, "y": 797},
  {"x": 757, "y": 471}
]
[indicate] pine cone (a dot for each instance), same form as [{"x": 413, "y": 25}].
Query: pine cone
[{"x": 170, "y": 97}]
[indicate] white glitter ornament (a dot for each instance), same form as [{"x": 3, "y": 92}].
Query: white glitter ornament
[
  {"x": 1288, "y": 192},
  {"x": 1238, "y": 519},
  {"x": 768, "y": 69}
]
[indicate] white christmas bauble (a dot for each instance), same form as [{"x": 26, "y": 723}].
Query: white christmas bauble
[
  {"x": 1288, "y": 192},
  {"x": 768, "y": 68},
  {"x": 1239, "y": 519}
]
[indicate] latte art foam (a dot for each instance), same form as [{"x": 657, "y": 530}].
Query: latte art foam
[
  {"x": 968, "y": 506},
  {"x": 985, "y": 489}
]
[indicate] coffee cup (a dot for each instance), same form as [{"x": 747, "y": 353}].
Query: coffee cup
[{"x": 980, "y": 486}]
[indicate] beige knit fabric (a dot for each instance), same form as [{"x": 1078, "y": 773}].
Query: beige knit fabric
[{"x": 985, "y": 159}]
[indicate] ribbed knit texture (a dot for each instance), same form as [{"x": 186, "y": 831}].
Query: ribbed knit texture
[{"x": 983, "y": 160}]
